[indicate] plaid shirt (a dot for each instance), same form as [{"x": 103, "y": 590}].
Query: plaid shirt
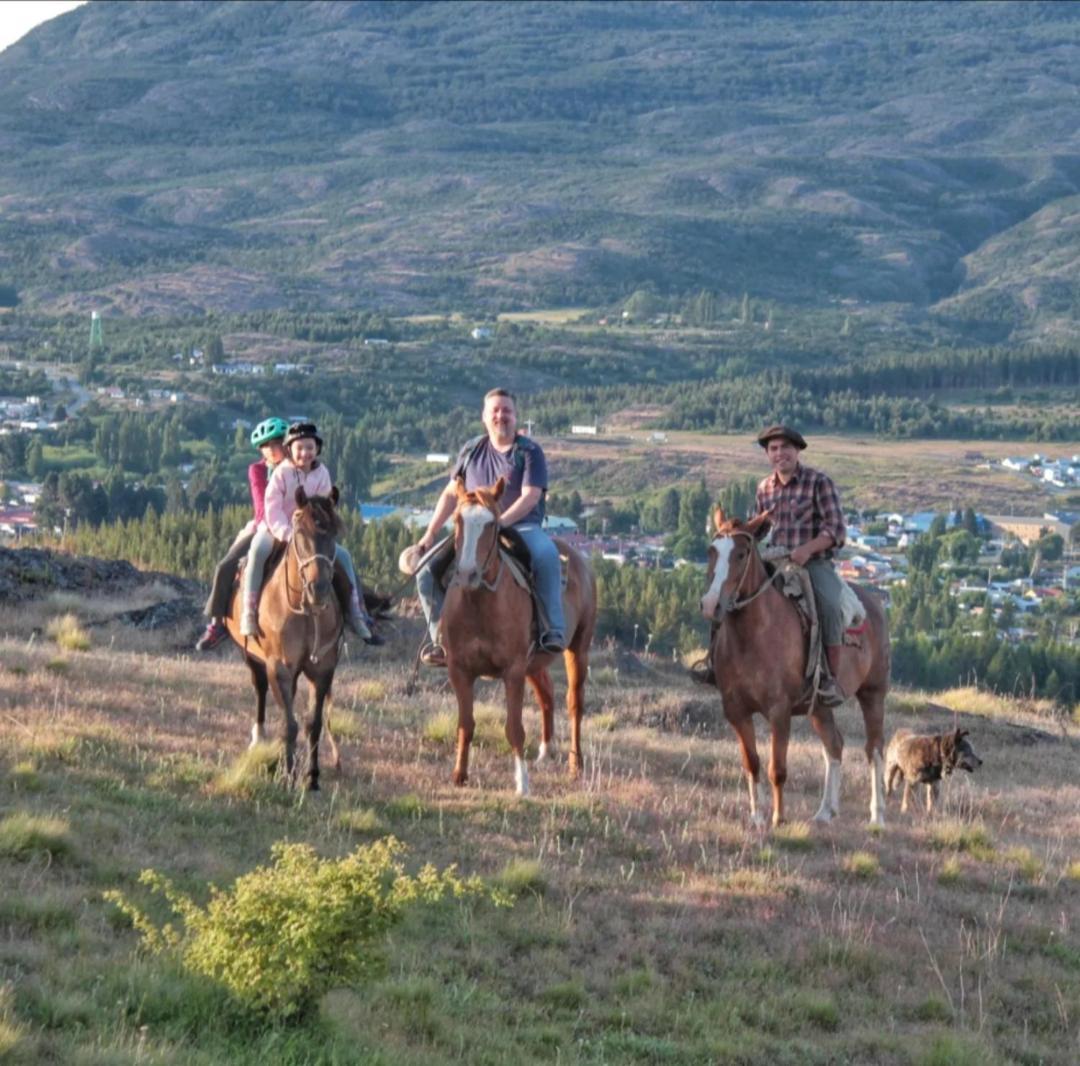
[{"x": 802, "y": 509}]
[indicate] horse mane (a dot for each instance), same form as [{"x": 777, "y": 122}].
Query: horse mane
[{"x": 319, "y": 515}]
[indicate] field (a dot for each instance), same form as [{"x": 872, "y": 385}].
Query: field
[
  {"x": 871, "y": 473},
  {"x": 650, "y": 923}
]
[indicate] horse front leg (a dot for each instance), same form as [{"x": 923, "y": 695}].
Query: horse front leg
[
  {"x": 545, "y": 697},
  {"x": 463, "y": 688},
  {"x": 515, "y": 731},
  {"x": 577, "y": 670},
  {"x": 832, "y": 743},
  {"x": 778, "y": 746},
  {"x": 314, "y": 729},
  {"x": 744, "y": 731},
  {"x": 873, "y": 709},
  {"x": 260, "y": 683},
  {"x": 283, "y": 685}
]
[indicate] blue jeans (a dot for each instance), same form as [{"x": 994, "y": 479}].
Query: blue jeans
[{"x": 547, "y": 578}]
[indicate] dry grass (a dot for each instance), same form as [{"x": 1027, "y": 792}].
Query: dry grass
[
  {"x": 68, "y": 633},
  {"x": 652, "y": 923}
]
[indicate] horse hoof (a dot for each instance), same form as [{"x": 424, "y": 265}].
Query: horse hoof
[
  {"x": 460, "y": 778},
  {"x": 823, "y": 817}
]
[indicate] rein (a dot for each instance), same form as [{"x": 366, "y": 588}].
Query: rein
[
  {"x": 493, "y": 584},
  {"x": 314, "y": 614},
  {"x": 729, "y": 605}
]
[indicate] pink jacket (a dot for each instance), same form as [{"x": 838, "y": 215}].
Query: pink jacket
[{"x": 281, "y": 494}]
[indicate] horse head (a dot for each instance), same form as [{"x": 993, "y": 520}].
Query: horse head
[
  {"x": 316, "y": 527},
  {"x": 476, "y": 525},
  {"x": 732, "y": 554}
]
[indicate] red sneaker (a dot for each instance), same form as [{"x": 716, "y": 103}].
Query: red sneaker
[{"x": 214, "y": 635}]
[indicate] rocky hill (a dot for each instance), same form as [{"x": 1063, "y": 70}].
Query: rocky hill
[{"x": 159, "y": 158}]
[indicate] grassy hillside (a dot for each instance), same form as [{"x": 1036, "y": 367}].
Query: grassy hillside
[
  {"x": 169, "y": 158},
  {"x": 650, "y": 924}
]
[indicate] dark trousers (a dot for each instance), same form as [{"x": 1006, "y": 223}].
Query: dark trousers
[{"x": 217, "y": 606}]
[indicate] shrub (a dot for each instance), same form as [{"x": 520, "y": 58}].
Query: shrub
[
  {"x": 68, "y": 633},
  {"x": 285, "y": 933}
]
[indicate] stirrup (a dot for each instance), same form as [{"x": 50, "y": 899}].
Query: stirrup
[
  {"x": 701, "y": 672},
  {"x": 433, "y": 655}
]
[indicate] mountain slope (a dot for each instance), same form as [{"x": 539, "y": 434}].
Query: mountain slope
[{"x": 180, "y": 156}]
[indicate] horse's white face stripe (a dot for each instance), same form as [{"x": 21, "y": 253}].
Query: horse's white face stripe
[
  {"x": 473, "y": 519},
  {"x": 723, "y": 547}
]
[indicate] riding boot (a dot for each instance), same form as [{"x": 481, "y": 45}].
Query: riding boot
[
  {"x": 839, "y": 685},
  {"x": 354, "y": 619}
]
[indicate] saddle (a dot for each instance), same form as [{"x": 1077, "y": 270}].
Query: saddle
[
  {"x": 341, "y": 581},
  {"x": 515, "y": 557},
  {"x": 794, "y": 583}
]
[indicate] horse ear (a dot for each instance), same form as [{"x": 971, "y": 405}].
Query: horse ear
[
  {"x": 459, "y": 483},
  {"x": 718, "y": 517},
  {"x": 498, "y": 488},
  {"x": 760, "y": 524},
  {"x": 301, "y": 496},
  {"x": 334, "y": 494}
]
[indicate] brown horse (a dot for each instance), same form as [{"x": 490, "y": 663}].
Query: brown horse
[
  {"x": 300, "y": 627},
  {"x": 758, "y": 657},
  {"x": 487, "y": 632}
]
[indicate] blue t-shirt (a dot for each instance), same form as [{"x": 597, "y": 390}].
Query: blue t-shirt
[{"x": 523, "y": 464}]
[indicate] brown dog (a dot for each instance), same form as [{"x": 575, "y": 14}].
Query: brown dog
[{"x": 925, "y": 759}]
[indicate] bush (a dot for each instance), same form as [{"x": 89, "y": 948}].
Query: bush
[{"x": 286, "y": 933}]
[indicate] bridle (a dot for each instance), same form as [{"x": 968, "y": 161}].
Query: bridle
[
  {"x": 313, "y": 612},
  {"x": 729, "y": 603},
  {"x": 481, "y": 572}
]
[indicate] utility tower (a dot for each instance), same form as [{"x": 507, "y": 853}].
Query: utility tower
[{"x": 96, "y": 341}]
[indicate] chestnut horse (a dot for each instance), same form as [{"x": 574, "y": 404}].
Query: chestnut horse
[
  {"x": 487, "y": 632},
  {"x": 758, "y": 657},
  {"x": 300, "y": 627}
]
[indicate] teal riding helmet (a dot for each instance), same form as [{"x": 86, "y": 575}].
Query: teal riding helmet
[{"x": 267, "y": 430}]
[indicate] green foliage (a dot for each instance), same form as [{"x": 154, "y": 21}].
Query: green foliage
[{"x": 286, "y": 933}]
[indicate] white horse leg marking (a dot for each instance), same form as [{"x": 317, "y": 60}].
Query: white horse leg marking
[
  {"x": 521, "y": 776},
  {"x": 830, "y": 797},
  {"x": 877, "y": 790},
  {"x": 723, "y": 546},
  {"x": 547, "y": 752},
  {"x": 258, "y": 735},
  {"x": 759, "y": 801},
  {"x": 836, "y": 770}
]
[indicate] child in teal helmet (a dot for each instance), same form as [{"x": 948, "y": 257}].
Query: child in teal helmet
[{"x": 268, "y": 437}]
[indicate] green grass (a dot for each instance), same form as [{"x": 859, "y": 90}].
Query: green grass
[
  {"x": 973, "y": 840},
  {"x": 521, "y": 876},
  {"x": 862, "y": 864},
  {"x": 23, "y": 834}
]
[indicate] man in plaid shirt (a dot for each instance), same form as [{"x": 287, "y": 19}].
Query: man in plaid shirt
[{"x": 806, "y": 520}]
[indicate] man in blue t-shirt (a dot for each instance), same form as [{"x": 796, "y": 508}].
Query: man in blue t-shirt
[{"x": 481, "y": 462}]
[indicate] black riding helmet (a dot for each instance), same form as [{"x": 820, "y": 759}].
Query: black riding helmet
[{"x": 300, "y": 430}]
